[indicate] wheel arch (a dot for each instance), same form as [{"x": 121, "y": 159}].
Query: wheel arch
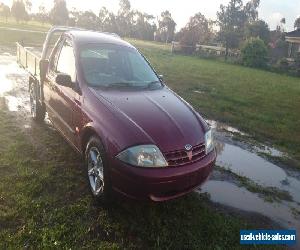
[{"x": 86, "y": 134}]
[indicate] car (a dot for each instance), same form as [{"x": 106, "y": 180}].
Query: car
[{"x": 137, "y": 136}]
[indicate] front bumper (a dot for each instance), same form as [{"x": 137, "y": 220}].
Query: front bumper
[{"x": 160, "y": 184}]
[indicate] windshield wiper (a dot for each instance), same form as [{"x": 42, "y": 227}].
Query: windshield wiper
[{"x": 119, "y": 84}]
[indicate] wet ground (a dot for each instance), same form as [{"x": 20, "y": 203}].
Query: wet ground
[
  {"x": 236, "y": 153},
  {"x": 247, "y": 159}
]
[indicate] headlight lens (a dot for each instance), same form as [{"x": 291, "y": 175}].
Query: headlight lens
[
  {"x": 143, "y": 156},
  {"x": 209, "y": 141}
]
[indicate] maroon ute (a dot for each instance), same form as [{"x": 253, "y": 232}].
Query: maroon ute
[{"x": 138, "y": 137}]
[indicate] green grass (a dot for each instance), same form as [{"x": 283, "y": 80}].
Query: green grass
[
  {"x": 45, "y": 203},
  {"x": 10, "y": 37},
  {"x": 263, "y": 104},
  {"x": 44, "y": 197},
  {"x": 31, "y": 25}
]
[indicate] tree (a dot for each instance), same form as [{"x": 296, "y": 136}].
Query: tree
[
  {"x": 87, "y": 20},
  {"x": 251, "y": 11},
  {"x": 254, "y": 53},
  {"x": 4, "y": 11},
  {"x": 198, "y": 30},
  {"x": 143, "y": 26},
  {"x": 28, "y": 5},
  {"x": 297, "y": 23},
  {"x": 124, "y": 18},
  {"x": 42, "y": 15},
  {"x": 107, "y": 21},
  {"x": 73, "y": 17},
  {"x": 258, "y": 29},
  {"x": 18, "y": 10},
  {"x": 232, "y": 20},
  {"x": 103, "y": 19},
  {"x": 59, "y": 14},
  {"x": 166, "y": 27},
  {"x": 282, "y": 23}
]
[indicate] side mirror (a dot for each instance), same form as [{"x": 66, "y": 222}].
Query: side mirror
[
  {"x": 63, "y": 80},
  {"x": 161, "y": 77}
]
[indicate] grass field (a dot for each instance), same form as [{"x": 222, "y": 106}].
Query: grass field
[{"x": 44, "y": 198}]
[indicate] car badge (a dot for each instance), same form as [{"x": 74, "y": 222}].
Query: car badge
[{"x": 189, "y": 152}]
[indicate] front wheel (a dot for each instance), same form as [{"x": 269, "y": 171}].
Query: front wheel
[
  {"x": 97, "y": 170},
  {"x": 37, "y": 110}
]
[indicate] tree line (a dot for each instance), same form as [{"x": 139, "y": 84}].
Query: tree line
[{"x": 235, "y": 23}]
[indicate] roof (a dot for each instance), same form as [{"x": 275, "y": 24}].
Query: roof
[
  {"x": 84, "y": 37},
  {"x": 295, "y": 33}
]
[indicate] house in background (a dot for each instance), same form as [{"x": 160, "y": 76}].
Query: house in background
[{"x": 293, "y": 38}]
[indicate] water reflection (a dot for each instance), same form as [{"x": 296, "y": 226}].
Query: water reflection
[
  {"x": 245, "y": 163},
  {"x": 237, "y": 197}
]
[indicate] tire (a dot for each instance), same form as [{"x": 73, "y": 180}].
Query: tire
[
  {"x": 97, "y": 170},
  {"x": 37, "y": 110}
]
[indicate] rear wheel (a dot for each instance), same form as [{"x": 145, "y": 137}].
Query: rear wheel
[
  {"x": 97, "y": 170},
  {"x": 37, "y": 110}
]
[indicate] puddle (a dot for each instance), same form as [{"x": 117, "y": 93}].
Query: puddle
[
  {"x": 219, "y": 129},
  {"x": 13, "y": 80},
  {"x": 231, "y": 195},
  {"x": 223, "y": 127},
  {"x": 270, "y": 151},
  {"x": 256, "y": 168}
]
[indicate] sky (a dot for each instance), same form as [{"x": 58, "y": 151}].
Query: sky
[{"x": 270, "y": 10}]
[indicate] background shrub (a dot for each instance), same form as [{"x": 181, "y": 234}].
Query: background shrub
[
  {"x": 255, "y": 53},
  {"x": 283, "y": 64}
]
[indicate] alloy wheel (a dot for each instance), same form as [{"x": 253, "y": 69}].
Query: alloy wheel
[{"x": 95, "y": 171}]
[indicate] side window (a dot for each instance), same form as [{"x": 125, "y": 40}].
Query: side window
[
  {"x": 54, "y": 55},
  {"x": 66, "y": 61}
]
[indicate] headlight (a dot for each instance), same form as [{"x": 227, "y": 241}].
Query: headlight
[
  {"x": 143, "y": 156},
  {"x": 209, "y": 141}
]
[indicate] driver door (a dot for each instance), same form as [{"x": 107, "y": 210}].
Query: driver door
[{"x": 60, "y": 103}]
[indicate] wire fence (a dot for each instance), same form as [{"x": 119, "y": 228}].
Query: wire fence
[{"x": 205, "y": 50}]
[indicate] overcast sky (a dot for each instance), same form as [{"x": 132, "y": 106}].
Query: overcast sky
[{"x": 270, "y": 10}]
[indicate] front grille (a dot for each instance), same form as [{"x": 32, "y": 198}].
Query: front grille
[{"x": 180, "y": 157}]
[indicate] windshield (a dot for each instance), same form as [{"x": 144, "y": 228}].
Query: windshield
[{"x": 116, "y": 66}]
